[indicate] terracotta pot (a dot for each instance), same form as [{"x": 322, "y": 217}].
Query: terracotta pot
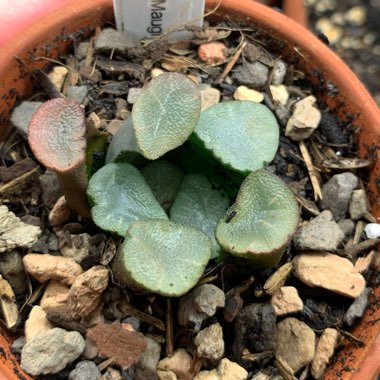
[{"x": 296, "y": 45}]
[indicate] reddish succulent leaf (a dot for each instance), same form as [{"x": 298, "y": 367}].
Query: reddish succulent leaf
[
  {"x": 114, "y": 341},
  {"x": 57, "y": 135}
]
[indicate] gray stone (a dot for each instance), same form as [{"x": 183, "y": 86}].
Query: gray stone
[
  {"x": 295, "y": 343},
  {"x": 77, "y": 93},
  {"x": 151, "y": 356},
  {"x": 22, "y": 115},
  {"x": 282, "y": 113},
  {"x": 357, "y": 307},
  {"x": 199, "y": 304},
  {"x": 320, "y": 234},
  {"x": 18, "y": 344},
  {"x": 337, "y": 193},
  {"x": 76, "y": 247},
  {"x": 82, "y": 50},
  {"x": 358, "y": 205},
  {"x": 252, "y": 74},
  {"x": 347, "y": 226},
  {"x": 133, "y": 321},
  {"x": 51, "y": 351},
  {"x": 85, "y": 370},
  {"x": 304, "y": 120},
  {"x": 279, "y": 72},
  {"x": 51, "y": 188},
  {"x": 12, "y": 269},
  {"x": 133, "y": 94},
  {"x": 255, "y": 329},
  {"x": 210, "y": 343},
  {"x": 112, "y": 40}
]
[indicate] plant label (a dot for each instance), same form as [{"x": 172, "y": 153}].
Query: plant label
[{"x": 151, "y": 18}]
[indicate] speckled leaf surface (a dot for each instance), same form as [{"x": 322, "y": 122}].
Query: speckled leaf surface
[
  {"x": 241, "y": 134},
  {"x": 261, "y": 221},
  {"x": 165, "y": 114},
  {"x": 120, "y": 196},
  {"x": 162, "y": 257},
  {"x": 123, "y": 141},
  {"x": 200, "y": 206},
  {"x": 164, "y": 179},
  {"x": 57, "y": 134}
]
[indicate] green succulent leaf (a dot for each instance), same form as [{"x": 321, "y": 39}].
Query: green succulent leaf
[
  {"x": 120, "y": 196},
  {"x": 162, "y": 257},
  {"x": 200, "y": 206},
  {"x": 164, "y": 179},
  {"x": 243, "y": 135},
  {"x": 261, "y": 222},
  {"x": 124, "y": 141},
  {"x": 165, "y": 114}
]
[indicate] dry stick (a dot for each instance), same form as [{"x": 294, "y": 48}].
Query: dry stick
[
  {"x": 351, "y": 336},
  {"x": 366, "y": 245},
  {"x": 232, "y": 62},
  {"x": 314, "y": 177},
  {"x": 18, "y": 183},
  {"x": 360, "y": 225},
  {"x": 169, "y": 329}
]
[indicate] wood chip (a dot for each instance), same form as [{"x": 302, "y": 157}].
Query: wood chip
[
  {"x": 169, "y": 329},
  {"x": 345, "y": 163},
  {"x": 314, "y": 175},
  {"x": 278, "y": 278},
  {"x": 113, "y": 341},
  {"x": 358, "y": 232},
  {"x": 8, "y": 304},
  {"x": 20, "y": 182},
  {"x": 354, "y": 250}
]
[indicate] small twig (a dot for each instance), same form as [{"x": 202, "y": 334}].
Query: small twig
[
  {"x": 169, "y": 348},
  {"x": 351, "y": 336},
  {"x": 353, "y": 251},
  {"x": 314, "y": 177},
  {"x": 232, "y": 62}
]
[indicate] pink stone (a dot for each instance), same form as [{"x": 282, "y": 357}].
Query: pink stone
[{"x": 212, "y": 52}]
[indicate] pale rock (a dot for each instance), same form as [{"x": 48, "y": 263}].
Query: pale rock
[
  {"x": 82, "y": 50},
  {"x": 166, "y": 375},
  {"x": 22, "y": 115},
  {"x": 210, "y": 343},
  {"x": 261, "y": 376},
  {"x": 111, "y": 374},
  {"x": 304, "y": 120},
  {"x": 60, "y": 212},
  {"x": 356, "y": 15},
  {"x": 279, "y": 93},
  {"x": 372, "y": 230},
  {"x": 86, "y": 291},
  {"x": 156, "y": 71},
  {"x": 151, "y": 356},
  {"x": 245, "y": 93},
  {"x": 113, "y": 126},
  {"x": 324, "y": 352},
  {"x": 12, "y": 269},
  {"x": 209, "y": 97},
  {"x": 77, "y": 93},
  {"x": 358, "y": 205},
  {"x": 279, "y": 72},
  {"x": 320, "y": 234},
  {"x": 45, "y": 267},
  {"x": 212, "y": 52},
  {"x": 133, "y": 94},
  {"x": 90, "y": 351},
  {"x": 112, "y": 40},
  {"x": 228, "y": 370},
  {"x": 329, "y": 272},
  {"x": 295, "y": 343},
  {"x": 201, "y": 303},
  {"x": 356, "y": 310},
  {"x": 15, "y": 233},
  {"x": 286, "y": 301},
  {"x": 50, "y": 351},
  {"x": 347, "y": 226},
  {"x": 251, "y": 74},
  {"x": 332, "y": 32},
  {"x": 76, "y": 247},
  {"x": 55, "y": 297},
  {"x": 36, "y": 323},
  {"x": 180, "y": 363},
  {"x": 337, "y": 192},
  {"x": 85, "y": 370},
  {"x": 195, "y": 78},
  {"x": 57, "y": 76},
  {"x": 208, "y": 375}
]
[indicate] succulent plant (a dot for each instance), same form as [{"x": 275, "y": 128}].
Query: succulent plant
[
  {"x": 261, "y": 222},
  {"x": 162, "y": 257},
  {"x": 57, "y": 137},
  {"x": 243, "y": 135}
]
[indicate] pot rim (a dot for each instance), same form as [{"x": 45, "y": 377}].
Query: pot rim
[{"x": 368, "y": 114}]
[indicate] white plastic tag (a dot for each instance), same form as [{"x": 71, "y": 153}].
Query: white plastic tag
[{"x": 151, "y": 18}]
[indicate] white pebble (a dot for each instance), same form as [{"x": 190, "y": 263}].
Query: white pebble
[{"x": 372, "y": 230}]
